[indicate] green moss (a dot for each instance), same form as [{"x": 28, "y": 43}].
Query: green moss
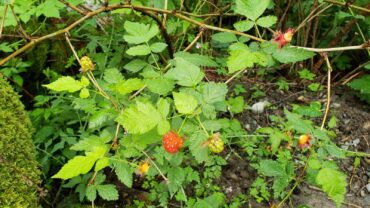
[{"x": 19, "y": 173}]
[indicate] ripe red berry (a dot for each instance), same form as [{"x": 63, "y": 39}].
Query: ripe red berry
[
  {"x": 284, "y": 38},
  {"x": 172, "y": 142}
]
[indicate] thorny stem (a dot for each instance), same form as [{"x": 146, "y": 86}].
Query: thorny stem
[
  {"x": 3, "y": 20},
  {"x": 346, "y": 48},
  {"x": 330, "y": 69},
  {"x": 299, "y": 179},
  {"x": 155, "y": 165},
  {"x": 350, "y": 5}
]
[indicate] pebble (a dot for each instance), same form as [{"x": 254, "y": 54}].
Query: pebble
[
  {"x": 362, "y": 193},
  {"x": 335, "y": 105},
  {"x": 247, "y": 127},
  {"x": 259, "y": 107},
  {"x": 368, "y": 187},
  {"x": 356, "y": 142}
]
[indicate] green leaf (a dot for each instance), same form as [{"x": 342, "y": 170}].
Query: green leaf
[
  {"x": 76, "y": 166},
  {"x": 176, "y": 177},
  {"x": 124, "y": 173},
  {"x": 184, "y": 103},
  {"x": 224, "y": 37},
  {"x": 196, "y": 59},
  {"x": 185, "y": 73},
  {"x": 140, "y": 50},
  {"x": 65, "y": 83},
  {"x": 335, "y": 151},
  {"x": 333, "y": 183},
  {"x": 107, "y": 192},
  {"x": 139, "y": 33},
  {"x": 158, "y": 47},
  {"x": 49, "y": 8},
  {"x": 160, "y": 85},
  {"x": 251, "y": 8},
  {"x": 266, "y": 21},
  {"x": 333, "y": 121},
  {"x": 280, "y": 183},
  {"x": 197, "y": 147},
  {"x": 135, "y": 65},
  {"x": 101, "y": 164},
  {"x": 112, "y": 75},
  {"x": 244, "y": 25},
  {"x": 361, "y": 84},
  {"x": 213, "y": 92},
  {"x": 298, "y": 124},
  {"x": 128, "y": 86},
  {"x": 99, "y": 117},
  {"x": 164, "y": 126},
  {"x": 271, "y": 168},
  {"x": 84, "y": 93},
  {"x": 236, "y": 104},
  {"x": 91, "y": 192},
  {"x": 139, "y": 118},
  {"x": 242, "y": 57},
  {"x": 163, "y": 107},
  {"x": 289, "y": 54}
]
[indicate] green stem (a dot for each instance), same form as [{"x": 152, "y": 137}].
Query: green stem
[{"x": 202, "y": 126}]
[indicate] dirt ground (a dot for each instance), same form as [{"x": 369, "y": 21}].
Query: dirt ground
[{"x": 353, "y": 133}]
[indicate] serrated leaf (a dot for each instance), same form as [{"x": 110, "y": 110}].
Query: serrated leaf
[
  {"x": 65, "y": 83},
  {"x": 251, "y": 8},
  {"x": 158, "y": 47},
  {"x": 242, "y": 57},
  {"x": 197, "y": 147},
  {"x": 163, "y": 107},
  {"x": 266, "y": 21},
  {"x": 184, "y": 103},
  {"x": 101, "y": 164},
  {"x": 160, "y": 85},
  {"x": 128, "y": 86},
  {"x": 135, "y": 65},
  {"x": 224, "y": 37},
  {"x": 107, "y": 192},
  {"x": 298, "y": 124},
  {"x": 76, "y": 166},
  {"x": 333, "y": 183},
  {"x": 197, "y": 59},
  {"x": 290, "y": 55},
  {"x": 139, "y": 33},
  {"x": 243, "y": 26},
  {"x": 164, "y": 126},
  {"x": 140, "y": 50},
  {"x": 124, "y": 173},
  {"x": 185, "y": 73},
  {"x": 98, "y": 118},
  {"x": 139, "y": 118},
  {"x": 236, "y": 104},
  {"x": 91, "y": 193},
  {"x": 84, "y": 93},
  {"x": 176, "y": 177},
  {"x": 271, "y": 168},
  {"x": 280, "y": 183},
  {"x": 361, "y": 84},
  {"x": 112, "y": 75},
  {"x": 213, "y": 92}
]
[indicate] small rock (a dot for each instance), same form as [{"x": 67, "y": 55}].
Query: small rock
[
  {"x": 229, "y": 190},
  {"x": 335, "y": 105},
  {"x": 345, "y": 147},
  {"x": 247, "y": 127},
  {"x": 234, "y": 176},
  {"x": 356, "y": 142},
  {"x": 259, "y": 107},
  {"x": 346, "y": 121},
  {"x": 362, "y": 193},
  {"x": 368, "y": 187}
]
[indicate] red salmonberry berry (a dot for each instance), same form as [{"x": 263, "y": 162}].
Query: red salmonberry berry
[{"x": 172, "y": 142}]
